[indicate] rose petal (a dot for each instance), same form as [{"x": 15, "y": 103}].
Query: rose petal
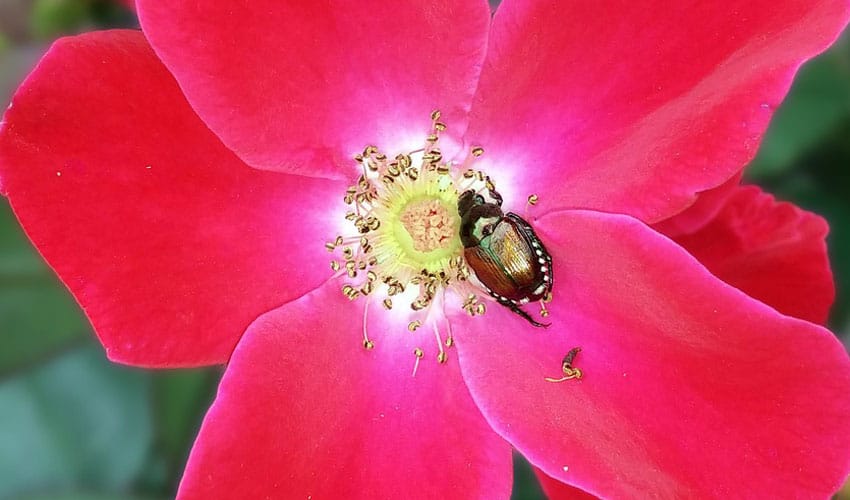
[
  {"x": 171, "y": 244},
  {"x": 304, "y": 411},
  {"x": 556, "y": 490},
  {"x": 633, "y": 107},
  {"x": 773, "y": 251},
  {"x": 303, "y": 86},
  {"x": 691, "y": 389},
  {"x": 705, "y": 208}
]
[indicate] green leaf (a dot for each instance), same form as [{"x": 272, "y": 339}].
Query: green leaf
[
  {"x": 78, "y": 423},
  {"x": 53, "y": 18},
  {"x": 83, "y": 496},
  {"x": 818, "y": 101},
  {"x": 526, "y": 486},
  {"x": 38, "y": 316},
  {"x": 182, "y": 398}
]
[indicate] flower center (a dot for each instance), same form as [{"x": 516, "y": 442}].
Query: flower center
[
  {"x": 429, "y": 224},
  {"x": 405, "y": 245}
]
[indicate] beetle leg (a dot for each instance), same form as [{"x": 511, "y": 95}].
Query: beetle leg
[{"x": 515, "y": 308}]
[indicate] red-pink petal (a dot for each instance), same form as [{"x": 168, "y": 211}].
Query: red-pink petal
[
  {"x": 304, "y": 411},
  {"x": 691, "y": 389},
  {"x": 303, "y": 86},
  {"x": 773, "y": 251},
  {"x": 556, "y": 490},
  {"x": 171, "y": 244},
  {"x": 633, "y": 107},
  {"x": 705, "y": 208}
]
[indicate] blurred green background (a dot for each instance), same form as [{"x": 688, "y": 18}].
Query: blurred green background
[{"x": 74, "y": 426}]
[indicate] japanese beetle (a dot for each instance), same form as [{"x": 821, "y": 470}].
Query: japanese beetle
[{"x": 504, "y": 252}]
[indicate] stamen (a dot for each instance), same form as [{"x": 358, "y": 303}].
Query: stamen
[
  {"x": 418, "y": 353},
  {"x": 532, "y": 200},
  {"x": 570, "y": 372},
  {"x": 442, "y": 357},
  {"x": 368, "y": 344}
]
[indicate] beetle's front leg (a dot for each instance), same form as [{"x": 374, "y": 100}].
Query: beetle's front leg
[{"x": 516, "y": 309}]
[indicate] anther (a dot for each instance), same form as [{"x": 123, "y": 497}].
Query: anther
[
  {"x": 414, "y": 325},
  {"x": 533, "y": 199},
  {"x": 334, "y": 265},
  {"x": 477, "y": 151},
  {"x": 435, "y": 115},
  {"x": 442, "y": 357}
]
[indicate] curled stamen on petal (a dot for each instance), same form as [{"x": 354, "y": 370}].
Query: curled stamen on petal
[{"x": 570, "y": 372}]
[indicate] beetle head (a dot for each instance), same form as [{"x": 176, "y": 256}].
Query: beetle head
[{"x": 466, "y": 201}]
